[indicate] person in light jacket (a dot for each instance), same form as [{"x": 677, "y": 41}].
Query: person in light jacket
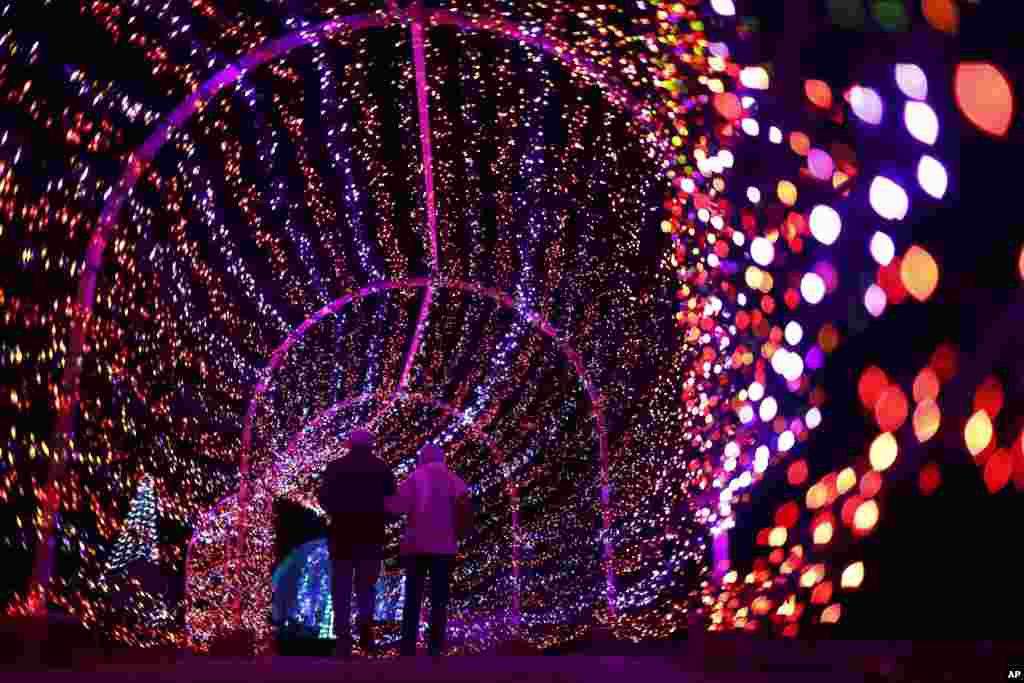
[{"x": 433, "y": 498}]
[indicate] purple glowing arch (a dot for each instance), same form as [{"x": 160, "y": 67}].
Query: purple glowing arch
[
  {"x": 328, "y": 414},
  {"x": 501, "y": 298},
  {"x": 225, "y": 505},
  {"x": 139, "y": 160}
]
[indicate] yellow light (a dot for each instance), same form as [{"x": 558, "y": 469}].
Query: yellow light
[
  {"x": 919, "y": 273},
  {"x": 831, "y": 614},
  {"x": 817, "y": 496},
  {"x": 787, "y": 192},
  {"x": 978, "y": 432},
  {"x": 883, "y": 451},
  {"x": 777, "y": 537},
  {"x": 753, "y": 277},
  {"x": 812, "y": 575},
  {"x": 866, "y": 516},
  {"x": 823, "y": 533},
  {"x": 927, "y": 419},
  {"x": 846, "y": 480},
  {"x": 853, "y": 576}
]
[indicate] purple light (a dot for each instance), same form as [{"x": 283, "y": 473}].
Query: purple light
[
  {"x": 815, "y": 358},
  {"x": 828, "y": 274},
  {"x": 820, "y": 164},
  {"x": 888, "y": 199}
]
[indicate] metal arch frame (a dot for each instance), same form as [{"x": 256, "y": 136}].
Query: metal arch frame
[
  {"x": 138, "y": 161},
  {"x": 328, "y": 413},
  {"x": 224, "y": 505},
  {"x": 501, "y": 298}
]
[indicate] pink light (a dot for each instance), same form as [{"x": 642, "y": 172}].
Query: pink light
[
  {"x": 866, "y": 104},
  {"x": 888, "y": 199},
  {"x": 912, "y": 81},
  {"x": 820, "y": 164},
  {"x": 882, "y": 248},
  {"x": 825, "y": 224},
  {"x": 875, "y": 300},
  {"x": 922, "y": 122},
  {"x": 931, "y": 174}
]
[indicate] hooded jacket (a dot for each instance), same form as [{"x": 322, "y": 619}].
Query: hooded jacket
[{"x": 428, "y": 497}]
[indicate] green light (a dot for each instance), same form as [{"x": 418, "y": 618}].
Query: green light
[{"x": 891, "y": 14}]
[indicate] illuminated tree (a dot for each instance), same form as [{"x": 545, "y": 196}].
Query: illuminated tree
[{"x": 138, "y": 540}]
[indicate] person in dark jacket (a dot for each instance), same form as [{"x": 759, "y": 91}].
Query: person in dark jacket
[{"x": 352, "y": 493}]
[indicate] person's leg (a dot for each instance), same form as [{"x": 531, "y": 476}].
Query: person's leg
[
  {"x": 367, "y": 572},
  {"x": 440, "y": 582},
  {"x": 341, "y": 597},
  {"x": 415, "y": 576}
]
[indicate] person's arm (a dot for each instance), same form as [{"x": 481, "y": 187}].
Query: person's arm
[{"x": 399, "y": 503}]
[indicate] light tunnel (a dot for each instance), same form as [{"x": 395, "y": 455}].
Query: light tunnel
[{"x": 369, "y": 217}]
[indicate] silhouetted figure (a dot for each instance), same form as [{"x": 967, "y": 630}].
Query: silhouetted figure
[
  {"x": 352, "y": 491},
  {"x": 437, "y": 503}
]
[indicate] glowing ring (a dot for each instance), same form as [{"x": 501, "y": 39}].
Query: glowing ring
[
  {"x": 139, "y": 160},
  {"x": 224, "y": 506},
  {"x": 501, "y": 298}
]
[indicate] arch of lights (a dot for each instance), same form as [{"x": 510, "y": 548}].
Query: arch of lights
[
  {"x": 249, "y": 582},
  {"x": 252, "y": 578},
  {"x": 702, "y": 212},
  {"x": 205, "y": 576}
]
